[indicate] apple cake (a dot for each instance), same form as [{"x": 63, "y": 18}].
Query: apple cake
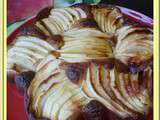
[{"x": 84, "y": 62}]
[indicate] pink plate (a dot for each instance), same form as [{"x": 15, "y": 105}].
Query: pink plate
[{"x": 15, "y": 101}]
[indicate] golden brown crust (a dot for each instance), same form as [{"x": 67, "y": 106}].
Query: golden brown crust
[
  {"x": 94, "y": 110},
  {"x": 86, "y": 22},
  {"x": 33, "y": 31},
  {"x": 56, "y": 41},
  {"x": 75, "y": 71},
  {"x": 43, "y": 13}
]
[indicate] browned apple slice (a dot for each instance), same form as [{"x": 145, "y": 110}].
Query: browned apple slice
[
  {"x": 121, "y": 85},
  {"x": 85, "y": 7},
  {"x": 95, "y": 70},
  {"x": 107, "y": 102},
  {"x": 86, "y": 90},
  {"x": 20, "y": 62},
  {"x": 81, "y": 12},
  {"x": 145, "y": 92},
  {"x": 42, "y": 27},
  {"x": 51, "y": 99},
  {"x": 140, "y": 101},
  {"x": 52, "y": 80},
  {"x": 62, "y": 107},
  {"x": 138, "y": 94},
  {"x": 56, "y": 100},
  {"x": 84, "y": 32},
  {"x": 134, "y": 45},
  {"x": 27, "y": 51},
  {"x": 85, "y": 48},
  {"x": 108, "y": 19},
  {"x": 43, "y": 99},
  {"x": 72, "y": 108},
  {"x": 51, "y": 26},
  {"x": 64, "y": 18},
  {"x": 105, "y": 83},
  {"x": 134, "y": 81},
  {"x": 116, "y": 90},
  {"x": 43, "y": 73},
  {"x": 68, "y": 90}
]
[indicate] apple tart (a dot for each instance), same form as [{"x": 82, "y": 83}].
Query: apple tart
[{"x": 84, "y": 62}]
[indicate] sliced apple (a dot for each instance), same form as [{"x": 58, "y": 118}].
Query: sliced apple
[
  {"x": 105, "y": 83},
  {"x": 20, "y": 62},
  {"x": 26, "y": 51},
  {"x": 68, "y": 90},
  {"x": 86, "y": 91},
  {"x": 65, "y": 13},
  {"x": 47, "y": 70},
  {"x": 29, "y": 48},
  {"x": 43, "y": 99},
  {"x": 39, "y": 25},
  {"x": 81, "y": 12},
  {"x": 140, "y": 100},
  {"x": 126, "y": 94},
  {"x": 53, "y": 28},
  {"x": 134, "y": 80},
  {"x": 134, "y": 44},
  {"x": 72, "y": 108},
  {"x": 64, "y": 104},
  {"x": 85, "y": 32},
  {"x": 135, "y": 93},
  {"x": 108, "y": 19},
  {"x": 37, "y": 41},
  {"x": 46, "y": 84},
  {"x": 45, "y": 61},
  {"x": 143, "y": 95},
  {"x": 51, "y": 100},
  {"x": 65, "y": 17},
  {"x": 74, "y": 13},
  {"x": 95, "y": 70},
  {"x": 98, "y": 97},
  {"x": 60, "y": 20},
  {"x": 116, "y": 91},
  {"x": 84, "y": 48}
]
